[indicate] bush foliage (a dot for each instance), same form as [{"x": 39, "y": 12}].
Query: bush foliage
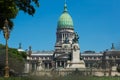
[
  {"x": 16, "y": 59},
  {"x": 118, "y": 69}
]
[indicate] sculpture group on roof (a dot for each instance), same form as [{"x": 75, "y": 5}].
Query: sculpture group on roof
[{"x": 75, "y": 39}]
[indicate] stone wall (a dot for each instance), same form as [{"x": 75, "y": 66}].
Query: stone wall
[{"x": 83, "y": 72}]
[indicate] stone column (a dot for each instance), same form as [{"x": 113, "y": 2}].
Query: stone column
[
  {"x": 89, "y": 65},
  {"x": 30, "y": 67},
  {"x": 35, "y": 66},
  {"x": 48, "y": 65},
  {"x": 27, "y": 67},
  {"x": 60, "y": 63},
  {"x": 56, "y": 64}
]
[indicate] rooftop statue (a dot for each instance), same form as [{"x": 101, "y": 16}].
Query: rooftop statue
[{"x": 75, "y": 39}]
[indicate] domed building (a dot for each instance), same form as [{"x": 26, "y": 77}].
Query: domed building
[
  {"x": 66, "y": 46},
  {"x": 65, "y": 27},
  {"x": 66, "y": 55}
]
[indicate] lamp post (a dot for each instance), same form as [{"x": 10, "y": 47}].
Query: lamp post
[
  {"x": 29, "y": 55},
  {"x": 6, "y": 33}
]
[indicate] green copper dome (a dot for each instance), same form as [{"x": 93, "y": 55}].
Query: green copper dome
[{"x": 65, "y": 20}]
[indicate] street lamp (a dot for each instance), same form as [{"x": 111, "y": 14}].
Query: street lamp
[{"x": 6, "y": 33}]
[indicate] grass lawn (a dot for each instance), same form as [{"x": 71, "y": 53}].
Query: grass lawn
[{"x": 61, "y": 78}]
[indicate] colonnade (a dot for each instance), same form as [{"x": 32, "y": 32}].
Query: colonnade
[
  {"x": 62, "y": 36},
  {"x": 60, "y": 63}
]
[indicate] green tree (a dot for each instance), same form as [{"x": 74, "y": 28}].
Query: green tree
[
  {"x": 10, "y": 8},
  {"x": 118, "y": 69},
  {"x": 16, "y": 59}
]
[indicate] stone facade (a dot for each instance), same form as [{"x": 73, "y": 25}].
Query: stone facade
[{"x": 38, "y": 61}]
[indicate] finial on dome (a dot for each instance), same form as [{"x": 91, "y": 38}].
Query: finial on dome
[{"x": 65, "y": 7}]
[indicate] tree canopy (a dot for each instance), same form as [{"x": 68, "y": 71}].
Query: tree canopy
[{"x": 10, "y": 8}]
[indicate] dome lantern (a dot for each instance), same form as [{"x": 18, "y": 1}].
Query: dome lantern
[{"x": 65, "y": 7}]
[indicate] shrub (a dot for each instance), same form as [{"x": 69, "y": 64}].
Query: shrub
[{"x": 118, "y": 68}]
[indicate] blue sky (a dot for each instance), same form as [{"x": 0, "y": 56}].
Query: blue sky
[{"x": 96, "y": 21}]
